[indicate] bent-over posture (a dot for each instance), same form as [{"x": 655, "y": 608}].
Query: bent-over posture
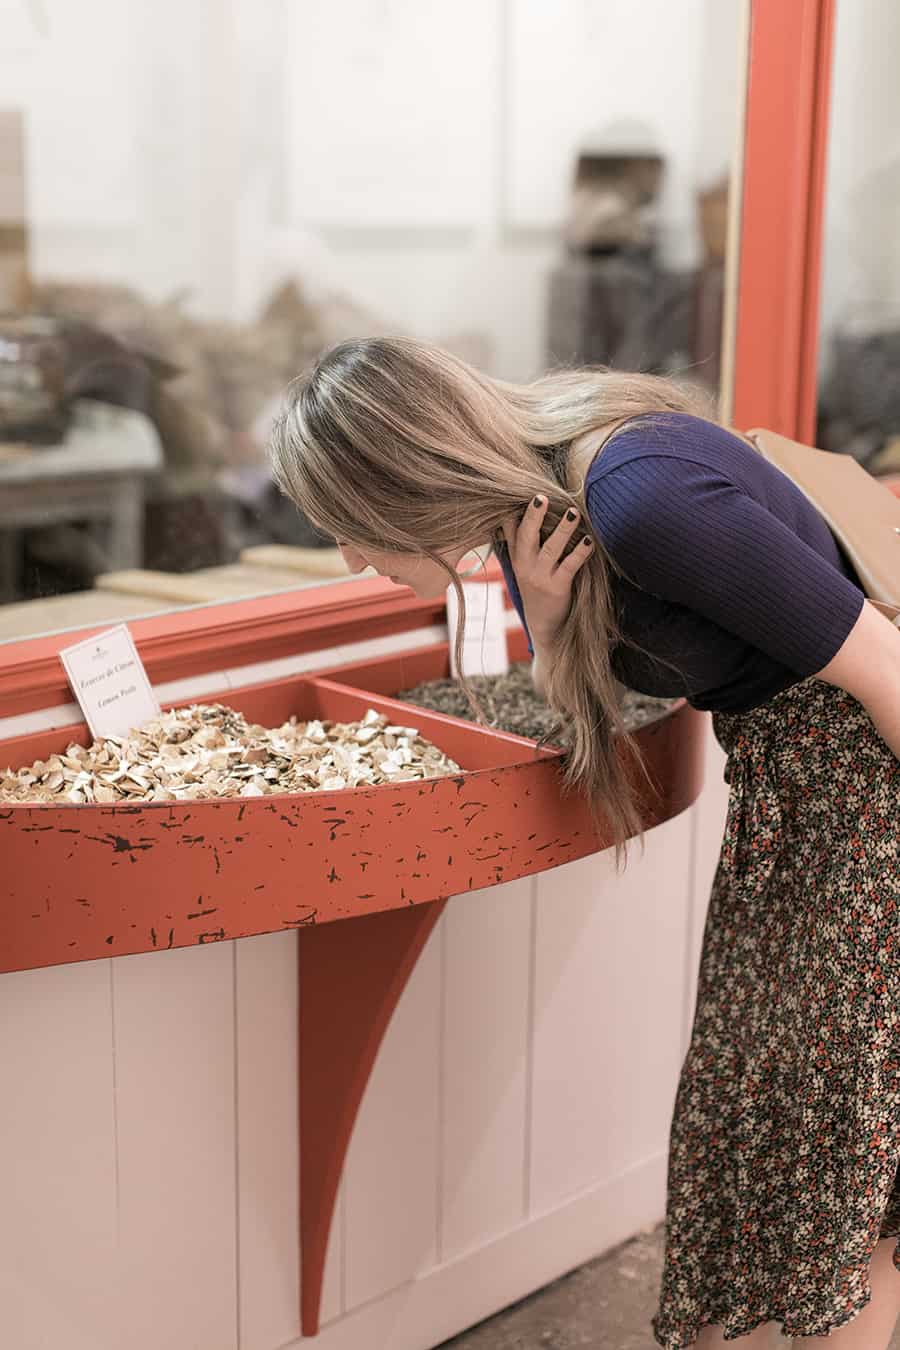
[{"x": 644, "y": 544}]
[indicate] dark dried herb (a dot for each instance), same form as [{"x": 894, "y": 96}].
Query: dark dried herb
[{"x": 512, "y": 704}]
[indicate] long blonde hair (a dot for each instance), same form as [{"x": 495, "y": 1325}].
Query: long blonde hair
[{"x": 392, "y": 444}]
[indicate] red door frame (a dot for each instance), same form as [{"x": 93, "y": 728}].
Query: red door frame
[{"x": 779, "y": 268}]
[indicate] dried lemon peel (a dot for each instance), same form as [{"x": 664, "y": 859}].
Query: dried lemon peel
[{"x": 211, "y": 751}]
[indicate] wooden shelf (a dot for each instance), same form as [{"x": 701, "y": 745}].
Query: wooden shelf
[
  {"x": 26, "y": 618},
  {"x": 311, "y": 562}
]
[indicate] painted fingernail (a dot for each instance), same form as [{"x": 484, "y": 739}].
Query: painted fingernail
[
  {"x": 586, "y": 541},
  {"x": 537, "y": 501},
  {"x": 571, "y": 515}
]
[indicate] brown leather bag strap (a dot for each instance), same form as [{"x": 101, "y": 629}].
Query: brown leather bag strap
[{"x": 863, "y": 516}]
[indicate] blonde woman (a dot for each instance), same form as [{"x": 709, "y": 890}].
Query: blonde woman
[{"x": 645, "y": 544}]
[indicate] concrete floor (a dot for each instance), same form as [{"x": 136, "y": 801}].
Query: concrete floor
[{"x": 604, "y": 1305}]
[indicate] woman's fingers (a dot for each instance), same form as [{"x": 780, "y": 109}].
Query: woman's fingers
[
  {"x": 580, "y": 554},
  {"x": 528, "y": 531},
  {"x": 556, "y": 545},
  {"x": 530, "y": 557},
  {"x": 530, "y": 552},
  {"x": 544, "y": 577}
]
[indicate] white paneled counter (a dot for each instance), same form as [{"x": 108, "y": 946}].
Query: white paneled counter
[{"x": 516, "y": 1123}]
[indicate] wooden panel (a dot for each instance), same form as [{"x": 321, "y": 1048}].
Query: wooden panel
[
  {"x": 608, "y": 1010},
  {"x": 267, "y": 1140},
  {"x": 53, "y": 612},
  {"x": 164, "y": 587},
  {"x": 391, "y": 1170},
  {"x": 708, "y": 814},
  {"x": 238, "y": 579},
  {"x": 424, "y": 1312},
  {"x": 488, "y": 958},
  {"x": 57, "y": 1160},
  {"x": 332, "y": 1305},
  {"x": 231, "y": 581},
  {"x": 312, "y": 562},
  {"x": 174, "y": 1037}
]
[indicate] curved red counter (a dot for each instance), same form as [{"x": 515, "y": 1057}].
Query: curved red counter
[{"x": 84, "y": 882}]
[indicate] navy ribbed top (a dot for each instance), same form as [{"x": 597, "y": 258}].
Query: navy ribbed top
[{"x": 730, "y": 574}]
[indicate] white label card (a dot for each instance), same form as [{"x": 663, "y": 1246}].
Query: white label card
[
  {"x": 109, "y": 680},
  {"x": 484, "y": 635}
]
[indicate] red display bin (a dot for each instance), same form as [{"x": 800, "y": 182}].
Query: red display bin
[{"x": 88, "y": 881}]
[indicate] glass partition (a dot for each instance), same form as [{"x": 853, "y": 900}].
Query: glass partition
[
  {"x": 199, "y": 198},
  {"x": 859, "y": 384}
]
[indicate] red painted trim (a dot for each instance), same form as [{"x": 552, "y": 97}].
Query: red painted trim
[
  {"x": 809, "y": 374},
  {"x": 218, "y": 637},
  {"x": 216, "y": 869},
  {"x": 782, "y": 202}
]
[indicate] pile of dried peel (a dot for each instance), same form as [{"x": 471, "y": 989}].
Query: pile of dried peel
[{"x": 208, "y": 750}]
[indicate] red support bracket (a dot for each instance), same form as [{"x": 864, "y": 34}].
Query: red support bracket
[
  {"x": 786, "y": 134},
  {"x": 351, "y": 977}
]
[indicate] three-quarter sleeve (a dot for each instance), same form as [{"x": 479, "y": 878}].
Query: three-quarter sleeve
[{"x": 688, "y": 534}]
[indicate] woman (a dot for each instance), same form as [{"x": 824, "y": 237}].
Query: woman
[{"x": 645, "y": 544}]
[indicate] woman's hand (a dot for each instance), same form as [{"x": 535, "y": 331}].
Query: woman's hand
[
  {"x": 545, "y": 582},
  {"x": 867, "y": 665}
]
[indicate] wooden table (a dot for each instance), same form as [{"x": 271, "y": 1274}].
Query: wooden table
[{"x": 96, "y": 473}]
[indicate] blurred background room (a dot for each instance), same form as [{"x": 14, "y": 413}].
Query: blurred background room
[{"x": 197, "y": 199}]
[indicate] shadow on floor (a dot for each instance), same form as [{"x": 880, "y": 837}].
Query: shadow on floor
[{"x": 606, "y": 1304}]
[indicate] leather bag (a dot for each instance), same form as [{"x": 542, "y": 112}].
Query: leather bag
[{"x": 861, "y": 513}]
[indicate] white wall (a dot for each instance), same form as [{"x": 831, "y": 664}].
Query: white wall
[
  {"x": 543, "y": 79},
  {"x": 184, "y": 143}
]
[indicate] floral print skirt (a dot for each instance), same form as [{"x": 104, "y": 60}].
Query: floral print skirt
[{"x": 785, "y": 1134}]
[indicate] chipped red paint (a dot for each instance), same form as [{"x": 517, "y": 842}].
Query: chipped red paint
[{"x": 82, "y": 882}]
